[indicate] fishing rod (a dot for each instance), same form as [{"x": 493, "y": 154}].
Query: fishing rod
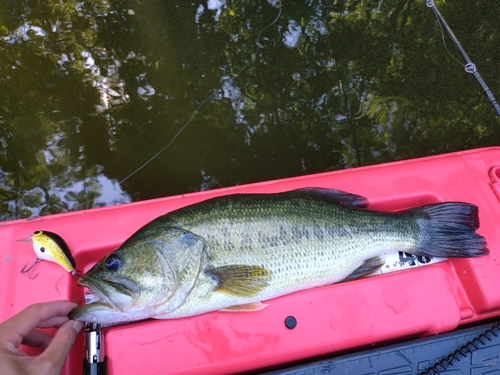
[{"x": 469, "y": 66}]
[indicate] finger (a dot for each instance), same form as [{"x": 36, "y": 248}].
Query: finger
[
  {"x": 40, "y": 339},
  {"x": 37, "y": 339},
  {"x": 60, "y": 345},
  {"x": 56, "y": 321},
  {"x": 28, "y": 319}
]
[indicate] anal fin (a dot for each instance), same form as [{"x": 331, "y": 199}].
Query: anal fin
[
  {"x": 256, "y": 306},
  {"x": 369, "y": 266}
]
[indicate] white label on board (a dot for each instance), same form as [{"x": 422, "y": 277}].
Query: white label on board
[{"x": 402, "y": 261}]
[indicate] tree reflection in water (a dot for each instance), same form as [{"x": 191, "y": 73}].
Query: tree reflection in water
[{"x": 91, "y": 90}]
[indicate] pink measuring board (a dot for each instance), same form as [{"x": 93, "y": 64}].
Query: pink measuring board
[{"x": 395, "y": 306}]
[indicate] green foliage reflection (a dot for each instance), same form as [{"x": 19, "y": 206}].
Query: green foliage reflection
[{"x": 91, "y": 90}]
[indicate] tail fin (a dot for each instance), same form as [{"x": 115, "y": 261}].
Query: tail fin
[{"x": 448, "y": 230}]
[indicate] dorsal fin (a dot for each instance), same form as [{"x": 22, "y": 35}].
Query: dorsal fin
[{"x": 335, "y": 196}]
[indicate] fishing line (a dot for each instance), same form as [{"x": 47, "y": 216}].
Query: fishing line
[
  {"x": 207, "y": 99},
  {"x": 469, "y": 67},
  {"x": 350, "y": 122},
  {"x": 171, "y": 141},
  {"x": 252, "y": 59},
  {"x": 443, "y": 38}
]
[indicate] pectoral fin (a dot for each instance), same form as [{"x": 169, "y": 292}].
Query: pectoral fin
[
  {"x": 240, "y": 280},
  {"x": 247, "y": 307},
  {"x": 368, "y": 267}
]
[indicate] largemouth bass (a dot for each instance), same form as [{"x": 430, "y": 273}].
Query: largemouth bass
[{"x": 233, "y": 252}]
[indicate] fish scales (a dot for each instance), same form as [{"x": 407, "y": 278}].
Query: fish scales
[
  {"x": 235, "y": 251},
  {"x": 253, "y": 230}
]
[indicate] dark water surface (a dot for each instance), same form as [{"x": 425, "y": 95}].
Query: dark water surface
[{"x": 91, "y": 90}]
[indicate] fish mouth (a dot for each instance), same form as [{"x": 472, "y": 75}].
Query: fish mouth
[
  {"x": 99, "y": 293},
  {"x": 108, "y": 301},
  {"x": 96, "y": 295}
]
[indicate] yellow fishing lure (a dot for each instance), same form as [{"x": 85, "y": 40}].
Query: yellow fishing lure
[{"x": 50, "y": 246}]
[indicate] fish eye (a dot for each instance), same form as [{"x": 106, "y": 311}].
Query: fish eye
[
  {"x": 42, "y": 249},
  {"x": 113, "y": 262}
]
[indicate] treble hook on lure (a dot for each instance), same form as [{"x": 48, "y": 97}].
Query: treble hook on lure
[
  {"x": 27, "y": 270},
  {"x": 50, "y": 246}
]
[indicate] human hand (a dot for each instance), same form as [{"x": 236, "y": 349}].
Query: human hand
[{"x": 22, "y": 329}]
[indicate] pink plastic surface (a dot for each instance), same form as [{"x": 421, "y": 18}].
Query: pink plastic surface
[{"x": 397, "y": 306}]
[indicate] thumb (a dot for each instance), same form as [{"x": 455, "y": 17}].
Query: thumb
[{"x": 60, "y": 345}]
